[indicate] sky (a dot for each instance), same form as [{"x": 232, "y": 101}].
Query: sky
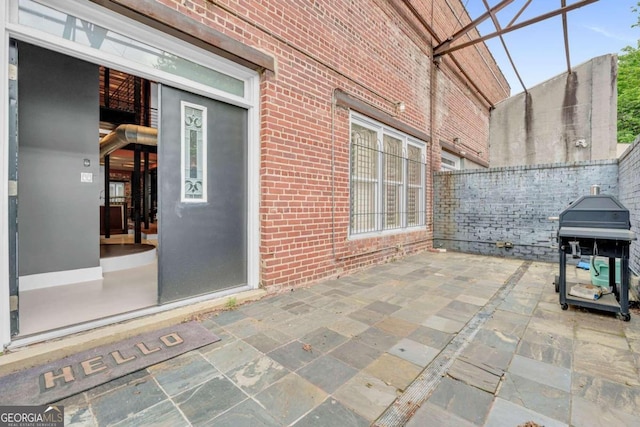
[{"x": 538, "y": 50}]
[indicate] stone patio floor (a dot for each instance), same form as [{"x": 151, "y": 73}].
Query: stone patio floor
[{"x": 435, "y": 339}]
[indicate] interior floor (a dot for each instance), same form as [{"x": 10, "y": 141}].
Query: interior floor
[{"x": 118, "y": 292}]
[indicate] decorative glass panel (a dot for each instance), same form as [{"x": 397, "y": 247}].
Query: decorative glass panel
[
  {"x": 194, "y": 152},
  {"x": 85, "y": 33}
]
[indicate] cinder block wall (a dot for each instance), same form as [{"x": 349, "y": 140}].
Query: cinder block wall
[
  {"x": 475, "y": 209},
  {"x": 629, "y": 191}
]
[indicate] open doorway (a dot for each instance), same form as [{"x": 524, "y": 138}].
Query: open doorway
[
  {"x": 112, "y": 220},
  {"x": 87, "y": 167},
  {"x": 199, "y": 187}
]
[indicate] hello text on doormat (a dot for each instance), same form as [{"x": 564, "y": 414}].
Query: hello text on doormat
[{"x": 82, "y": 371}]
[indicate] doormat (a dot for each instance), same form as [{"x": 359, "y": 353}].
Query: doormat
[{"x": 80, "y": 372}]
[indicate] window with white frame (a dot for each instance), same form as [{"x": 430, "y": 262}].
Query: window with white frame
[
  {"x": 387, "y": 178},
  {"x": 449, "y": 162}
]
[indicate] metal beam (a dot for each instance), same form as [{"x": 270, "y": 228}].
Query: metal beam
[
  {"x": 471, "y": 25},
  {"x": 424, "y": 23},
  {"x": 437, "y": 39},
  {"x": 563, "y": 3},
  {"x": 496, "y": 23},
  {"x": 446, "y": 50},
  {"x": 519, "y": 13}
]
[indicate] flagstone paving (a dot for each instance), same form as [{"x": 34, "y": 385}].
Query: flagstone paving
[{"x": 342, "y": 351}]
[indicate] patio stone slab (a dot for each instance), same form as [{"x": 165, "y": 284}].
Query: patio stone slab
[
  {"x": 378, "y": 339},
  {"x": 164, "y": 413},
  {"x": 206, "y": 401},
  {"x": 126, "y": 401},
  {"x": 247, "y": 414},
  {"x": 323, "y": 339},
  {"x": 414, "y": 352},
  {"x": 470, "y": 299},
  {"x": 585, "y": 413},
  {"x": 431, "y": 337},
  {"x": 367, "y": 316},
  {"x": 433, "y": 415},
  {"x": 231, "y": 356},
  {"x": 290, "y": 398},
  {"x": 356, "y": 354},
  {"x": 602, "y": 338},
  {"x": 602, "y": 392},
  {"x": 398, "y": 327},
  {"x": 328, "y": 373},
  {"x": 79, "y": 417},
  {"x": 508, "y": 414},
  {"x": 183, "y": 372},
  {"x": 131, "y": 378},
  {"x": 298, "y": 307},
  {"x": 538, "y": 397},
  {"x": 348, "y": 327},
  {"x": 366, "y": 395},
  {"x": 611, "y": 363},
  {"x": 262, "y": 342},
  {"x": 245, "y": 327},
  {"x": 466, "y": 401},
  {"x": 258, "y": 374},
  {"x": 458, "y": 310},
  {"x": 415, "y": 312},
  {"x": 394, "y": 371},
  {"x": 546, "y": 353},
  {"x": 475, "y": 374},
  {"x": 497, "y": 339},
  {"x": 483, "y": 354},
  {"x": 442, "y": 324},
  {"x": 77, "y": 412},
  {"x": 225, "y": 318},
  {"x": 547, "y": 338},
  {"x": 294, "y": 355},
  {"x": 332, "y": 413},
  {"x": 508, "y": 323},
  {"x": 554, "y": 376},
  {"x": 277, "y": 335}
]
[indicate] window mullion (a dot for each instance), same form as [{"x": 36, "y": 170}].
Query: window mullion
[{"x": 381, "y": 182}]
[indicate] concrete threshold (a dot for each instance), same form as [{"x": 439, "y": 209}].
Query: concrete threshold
[{"x": 45, "y": 352}]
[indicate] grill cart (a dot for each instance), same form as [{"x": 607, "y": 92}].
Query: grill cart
[{"x": 596, "y": 225}]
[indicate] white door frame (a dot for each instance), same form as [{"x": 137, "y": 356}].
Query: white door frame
[{"x": 108, "y": 19}]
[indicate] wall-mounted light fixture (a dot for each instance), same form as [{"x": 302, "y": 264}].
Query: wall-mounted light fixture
[
  {"x": 456, "y": 140},
  {"x": 400, "y": 107}
]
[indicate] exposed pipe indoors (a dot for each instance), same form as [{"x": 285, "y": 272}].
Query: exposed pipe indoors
[{"x": 124, "y": 135}]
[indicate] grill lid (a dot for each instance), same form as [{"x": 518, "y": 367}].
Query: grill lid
[{"x": 598, "y": 211}]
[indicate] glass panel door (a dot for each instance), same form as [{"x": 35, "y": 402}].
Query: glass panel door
[{"x": 202, "y": 173}]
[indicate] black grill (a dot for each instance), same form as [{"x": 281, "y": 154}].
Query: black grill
[{"x": 597, "y": 225}]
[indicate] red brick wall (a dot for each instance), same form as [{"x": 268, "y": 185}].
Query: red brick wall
[{"x": 375, "y": 51}]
